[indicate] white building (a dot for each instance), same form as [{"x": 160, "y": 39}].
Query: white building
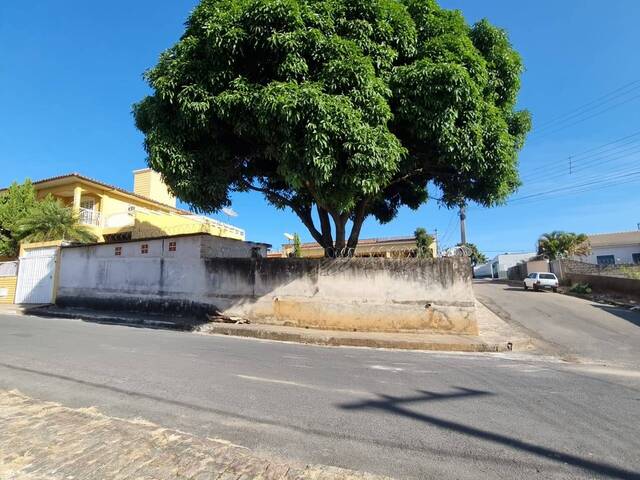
[
  {"x": 502, "y": 262},
  {"x": 614, "y": 248}
]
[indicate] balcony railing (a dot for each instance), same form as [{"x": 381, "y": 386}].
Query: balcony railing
[{"x": 90, "y": 217}]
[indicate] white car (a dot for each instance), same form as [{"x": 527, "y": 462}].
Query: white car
[{"x": 539, "y": 280}]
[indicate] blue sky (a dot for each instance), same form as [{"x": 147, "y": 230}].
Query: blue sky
[{"x": 70, "y": 71}]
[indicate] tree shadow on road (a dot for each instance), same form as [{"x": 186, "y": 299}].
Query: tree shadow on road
[{"x": 396, "y": 406}]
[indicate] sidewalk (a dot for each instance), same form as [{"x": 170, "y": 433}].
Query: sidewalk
[
  {"x": 495, "y": 336},
  {"x": 46, "y": 441}
]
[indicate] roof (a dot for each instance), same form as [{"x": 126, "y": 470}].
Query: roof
[
  {"x": 163, "y": 237},
  {"x": 616, "y": 238},
  {"x": 110, "y": 187},
  {"x": 366, "y": 241}
]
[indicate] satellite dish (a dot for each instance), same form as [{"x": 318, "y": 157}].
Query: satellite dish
[
  {"x": 288, "y": 236},
  {"x": 229, "y": 212}
]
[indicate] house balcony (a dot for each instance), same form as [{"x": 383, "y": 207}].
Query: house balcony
[{"x": 89, "y": 217}]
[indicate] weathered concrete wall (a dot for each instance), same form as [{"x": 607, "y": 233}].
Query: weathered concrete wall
[
  {"x": 608, "y": 284},
  {"x": 361, "y": 294}
]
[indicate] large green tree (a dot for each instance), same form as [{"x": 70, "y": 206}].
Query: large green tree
[
  {"x": 558, "y": 244},
  {"x": 336, "y": 109},
  {"x": 15, "y": 204}
]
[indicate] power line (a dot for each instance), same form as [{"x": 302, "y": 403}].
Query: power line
[
  {"x": 580, "y": 168},
  {"x": 585, "y": 154},
  {"x": 587, "y": 105},
  {"x": 565, "y": 188},
  {"x": 545, "y": 133}
]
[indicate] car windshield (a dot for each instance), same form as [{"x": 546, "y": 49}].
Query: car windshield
[{"x": 548, "y": 276}]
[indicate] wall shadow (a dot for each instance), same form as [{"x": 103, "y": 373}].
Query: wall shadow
[
  {"x": 628, "y": 315},
  {"x": 394, "y": 405}
]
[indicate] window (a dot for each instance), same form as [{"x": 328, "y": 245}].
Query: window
[
  {"x": 172, "y": 246},
  {"x": 117, "y": 251},
  {"x": 532, "y": 275},
  {"x": 144, "y": 248},
  {"x": 548, "y": 276},
  {"x": 636, "y": 258},
  {"x": 606, "y": 260}
]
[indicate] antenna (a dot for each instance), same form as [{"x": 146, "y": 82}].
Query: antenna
[{"x": 229, "y": 212}]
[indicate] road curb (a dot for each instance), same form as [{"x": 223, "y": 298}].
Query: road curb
[
  {"x": 335, "y": 340},
  {"x": 111, "y": 319}
]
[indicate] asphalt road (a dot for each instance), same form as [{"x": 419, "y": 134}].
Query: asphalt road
[
  {"x": 571, "y": 327},
  {"x": 404, "y": 414}
]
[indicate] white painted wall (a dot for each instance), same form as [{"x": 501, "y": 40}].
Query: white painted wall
[
  {"x": 483, "y": 270},
  {"x": 622, "y": 253},
  {"x": 503, "y": 262},
  {"x": 359, "y": 293}
]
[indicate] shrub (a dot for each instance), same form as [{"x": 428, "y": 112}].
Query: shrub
[{"x": 581, "y": 288}]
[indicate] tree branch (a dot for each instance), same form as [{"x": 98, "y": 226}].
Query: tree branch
[{"x": 303, "y": 213}]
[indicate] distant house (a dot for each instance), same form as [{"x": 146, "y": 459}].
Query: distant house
[
  {"x": 367, "y": 247},
  {"x": 614, "y": 248},
  {"x": 115, "y": 214},
  {"x": 498, "y": 267}
]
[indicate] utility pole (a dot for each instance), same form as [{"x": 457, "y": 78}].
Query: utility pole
[
  {"x": 438, "y": 243},
  {"x": 463, "y": 232},
  {"x": 570, "y": 165}
]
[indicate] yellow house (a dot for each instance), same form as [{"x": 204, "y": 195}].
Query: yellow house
[
  {"x": 113, "y": 213},
  {"x": 393, "y": 247}
]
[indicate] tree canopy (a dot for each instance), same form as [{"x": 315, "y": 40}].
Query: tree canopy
[
  {"x": 475, "y": 255},
  {"x": 423, "y": 243},
  {"x": 559, "y": 244},
  {"x": 15, "y": 204},
  {"x": 336, "y": 109}
]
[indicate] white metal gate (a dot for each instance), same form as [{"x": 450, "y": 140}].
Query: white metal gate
[{"x": 35, "y": 276}]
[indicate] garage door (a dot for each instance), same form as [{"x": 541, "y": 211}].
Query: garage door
[{"x": 35, "y": 276}]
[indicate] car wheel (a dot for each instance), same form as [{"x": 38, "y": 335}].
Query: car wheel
[
  {"x": 555, "y": 289},
  {"x": 535, "y": 289},
  {"x": 525, "y": 287}
]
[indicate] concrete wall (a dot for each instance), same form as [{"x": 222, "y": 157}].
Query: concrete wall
[
  {"x": 602, "y": 283},
  {"x": 361, "y": 294},
  {"x": 563, "y": 268}
]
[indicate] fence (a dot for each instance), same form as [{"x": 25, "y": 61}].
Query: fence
[
  {"x": 8, "y": 269},
  {"x": 565, "y": 267},
  {"x": 617, "y": 279},
  {"x": 8, "y": 281}
]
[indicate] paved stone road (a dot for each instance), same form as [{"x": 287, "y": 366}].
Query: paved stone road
[{"x": 46, "y": 441}]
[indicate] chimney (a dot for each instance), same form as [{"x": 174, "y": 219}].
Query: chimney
[{"x": 149, "y": 184}]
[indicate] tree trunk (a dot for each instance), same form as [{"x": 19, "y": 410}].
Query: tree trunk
[
  {"x": 340, "y": 221},
  {"x": 341, "y": 246},
  {"x": 325, "y": 226},
  {"x": 358, "y": 219}
]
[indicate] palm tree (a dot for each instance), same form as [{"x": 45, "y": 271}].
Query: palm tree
[
  {"x": 558, "y": 244},
  {"x": 48, "y": 220}
]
